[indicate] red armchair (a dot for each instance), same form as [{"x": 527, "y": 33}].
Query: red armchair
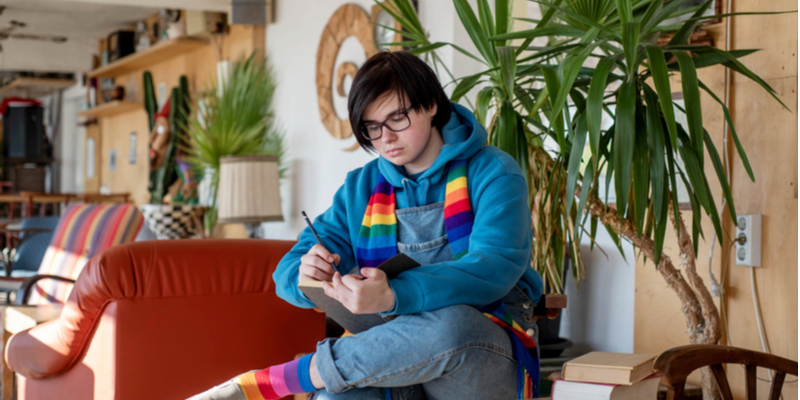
[{"x": 164, "y": 320}]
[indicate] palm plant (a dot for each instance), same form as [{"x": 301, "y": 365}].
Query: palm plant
[
  {"x": 236, "y": 119},
  {"x": 541, "y": 92}
]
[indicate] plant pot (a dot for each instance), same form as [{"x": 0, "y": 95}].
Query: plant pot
[
  {"x": 550, "y": 344},
  {"x": 174, "y": 221}
]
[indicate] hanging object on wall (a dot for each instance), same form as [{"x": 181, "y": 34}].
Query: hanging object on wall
[
  {"x": 382, "y": 19},
  {"x": 348, "y": 20}
]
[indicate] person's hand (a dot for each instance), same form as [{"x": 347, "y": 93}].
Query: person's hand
[
  {"x": 316, "y": 264},
  {"x": 369, "y": 295}
]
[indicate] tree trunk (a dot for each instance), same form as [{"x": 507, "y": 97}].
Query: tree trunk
[{"x": 702, "y": 317}]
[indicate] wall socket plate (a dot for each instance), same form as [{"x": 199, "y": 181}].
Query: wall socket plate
[{"x": 748, "y": 254}]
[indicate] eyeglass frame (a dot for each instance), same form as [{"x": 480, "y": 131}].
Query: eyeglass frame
[{"x": 382, "y": 124}]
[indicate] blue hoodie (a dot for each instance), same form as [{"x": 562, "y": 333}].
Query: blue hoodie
[{"x": 499, "y": 246}]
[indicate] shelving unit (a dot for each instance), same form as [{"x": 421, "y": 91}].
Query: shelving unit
[
  {"x": 111, "y": 108},
  {"x": 34, "y": 87},
  {"x": 153, "y": 55}
]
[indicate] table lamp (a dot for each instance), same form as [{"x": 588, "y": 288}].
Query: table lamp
[{"x": 249, "y": 192}]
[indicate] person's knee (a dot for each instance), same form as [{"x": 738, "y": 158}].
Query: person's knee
[{"x": 462, "y": 326}]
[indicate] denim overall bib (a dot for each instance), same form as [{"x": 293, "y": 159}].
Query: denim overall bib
[{"x": 421, "y": 234}]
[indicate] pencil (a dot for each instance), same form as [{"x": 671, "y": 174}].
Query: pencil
[{"x": 314, "y": 231}]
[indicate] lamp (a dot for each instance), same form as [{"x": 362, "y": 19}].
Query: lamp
[{"x": 249, "y": 192}]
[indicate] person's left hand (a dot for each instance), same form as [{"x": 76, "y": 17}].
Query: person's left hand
[{"x": 368, "y": 296}]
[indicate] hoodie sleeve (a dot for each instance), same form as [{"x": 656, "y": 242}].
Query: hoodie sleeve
[
  {"x": 499, "y": 253},
  {"x": 333, "y": 230}
]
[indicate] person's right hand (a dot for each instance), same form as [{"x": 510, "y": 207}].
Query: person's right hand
[{"x": 316, "y": 264}]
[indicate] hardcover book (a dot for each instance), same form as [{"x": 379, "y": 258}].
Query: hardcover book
[
  {"x": 609, "y": 368},
  {"x": 354, "y": 323}
]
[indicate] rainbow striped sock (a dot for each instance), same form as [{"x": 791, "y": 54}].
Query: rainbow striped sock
[{"x": 277, "y": 381}]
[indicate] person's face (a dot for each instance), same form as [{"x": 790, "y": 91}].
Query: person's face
[{"x": 415, "y": 147}]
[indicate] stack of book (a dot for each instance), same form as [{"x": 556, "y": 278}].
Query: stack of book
[{"x": 607, "y": 376}]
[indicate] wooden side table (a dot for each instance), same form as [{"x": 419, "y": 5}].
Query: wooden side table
[{"x": 17, "y": 319}]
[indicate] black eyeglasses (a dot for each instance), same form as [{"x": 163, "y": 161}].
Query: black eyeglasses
[{"x": 396, "y": 122}]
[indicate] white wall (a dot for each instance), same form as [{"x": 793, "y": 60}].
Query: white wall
[
  {"x": 600, "y": 313},
  {"x": 317, "y": 161}
]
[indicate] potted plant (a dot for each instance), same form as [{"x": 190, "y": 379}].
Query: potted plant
[
  {"x": 538, "y": 93},
  {"x": 234, "y": 119},
  {"x": 173, "y": 212}
]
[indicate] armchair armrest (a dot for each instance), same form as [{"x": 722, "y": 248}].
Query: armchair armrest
[{"x": 24, "y": 292}]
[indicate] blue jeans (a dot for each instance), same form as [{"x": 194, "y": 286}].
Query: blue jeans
[{"x": 451, "y": 353}]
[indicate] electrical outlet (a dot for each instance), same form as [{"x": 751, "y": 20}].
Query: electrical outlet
[{"x": 748, "y": 254}]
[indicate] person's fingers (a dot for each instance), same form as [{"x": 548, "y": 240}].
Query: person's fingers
[
  {"x": 316, "y": 274},
  {"x": 314, "y": 260},
  {"x": 373, "y": 273},
  {"x": 324, "y": 254}
]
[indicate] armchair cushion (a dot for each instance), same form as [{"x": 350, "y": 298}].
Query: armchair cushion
[
  {"x": 83, "y": 231},
  {"x": 165, "y": 319}
]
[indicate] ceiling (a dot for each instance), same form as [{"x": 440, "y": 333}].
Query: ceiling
[{"x": 83, "y": 22}]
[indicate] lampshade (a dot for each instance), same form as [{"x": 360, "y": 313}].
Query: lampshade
[{"x": 248, "y": 190}]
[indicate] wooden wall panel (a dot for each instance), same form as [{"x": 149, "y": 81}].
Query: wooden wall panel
[
  {"x": 200, "y": 67},
  {"x": 769, "y": 134}
]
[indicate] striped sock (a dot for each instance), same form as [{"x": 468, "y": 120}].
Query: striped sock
[{"x": 278, "y": 381}]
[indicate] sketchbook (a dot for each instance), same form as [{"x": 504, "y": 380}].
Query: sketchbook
[{"x": 354, "y": 323}]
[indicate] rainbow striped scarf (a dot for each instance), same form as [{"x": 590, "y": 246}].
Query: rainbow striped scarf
[{"x": 377, "y": 242}]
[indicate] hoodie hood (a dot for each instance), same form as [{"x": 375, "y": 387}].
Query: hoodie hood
[{"x": 463, "y": 137}]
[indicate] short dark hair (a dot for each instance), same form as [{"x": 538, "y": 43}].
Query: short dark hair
[{"x": 404, "y": 74}]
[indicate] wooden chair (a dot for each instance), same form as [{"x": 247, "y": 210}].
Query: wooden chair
[{"x": 676, "y": 364}]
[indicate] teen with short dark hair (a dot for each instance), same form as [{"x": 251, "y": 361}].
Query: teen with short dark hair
[{"x": 460, "y": 325}]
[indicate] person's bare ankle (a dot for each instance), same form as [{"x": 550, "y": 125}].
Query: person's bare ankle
[{"x": 316, "y": 380}]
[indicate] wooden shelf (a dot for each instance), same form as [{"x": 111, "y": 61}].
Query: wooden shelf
[
  {"x": 34, "y": 87},
  {"x": 111, "y": 108},
  {"x": 154, "y": 54}
]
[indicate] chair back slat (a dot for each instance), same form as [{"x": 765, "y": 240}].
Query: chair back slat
[
  {"x": 722, "y": 381},
  {"x": 751, "y": 381},
  {"x": 777, "y": 385},
  {"x": 676, "y": 364}
]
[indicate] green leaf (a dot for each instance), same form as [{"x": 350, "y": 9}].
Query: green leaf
[
  {"x": 594, "y": 107},
  {"x": 655, "y": 141},
  {"x": 546, "y": 31},
  {"x": 556, "y": 119},
  {"x": 485, "y": 13},
  {"x": 581, "y": 18},
  {"x": 687, "y": 28},
  {"x": 661, "y": 225},
  {"x": 521, "y": 157},
  {"x": 665, "y": 13},
  {"x": 502, "y": 13},
  {"x": 652, "y": 8},
  {"x": 465, "y": 86},
  {"x": 673, "y": 181},
  {"x": 739, "y": 147},
  {"x": 695, "y": 173},
  {"x": 474, "y": 30},
  {"x": 641, "y": 166},
  {"x": 702, "y": 60},
  {"x": 625, "y": 11},
  {"x": 630, "y": 43},
  {"x": 691, "y": 97},
  {"x": 571, "y": 67},
  {"x": 482, "y": 104},
  {"x": 427, "y": 48},
  {"x": 575, "y": 159},
  {"x": 507, "y": 123},
  {"x": 593, "y": 231},
  {"x": 658, "y": 65},
  {"x": 624, "y": 142},
  {"x": 508, "y": 68},
  {"x": 720, "y": 170}
]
